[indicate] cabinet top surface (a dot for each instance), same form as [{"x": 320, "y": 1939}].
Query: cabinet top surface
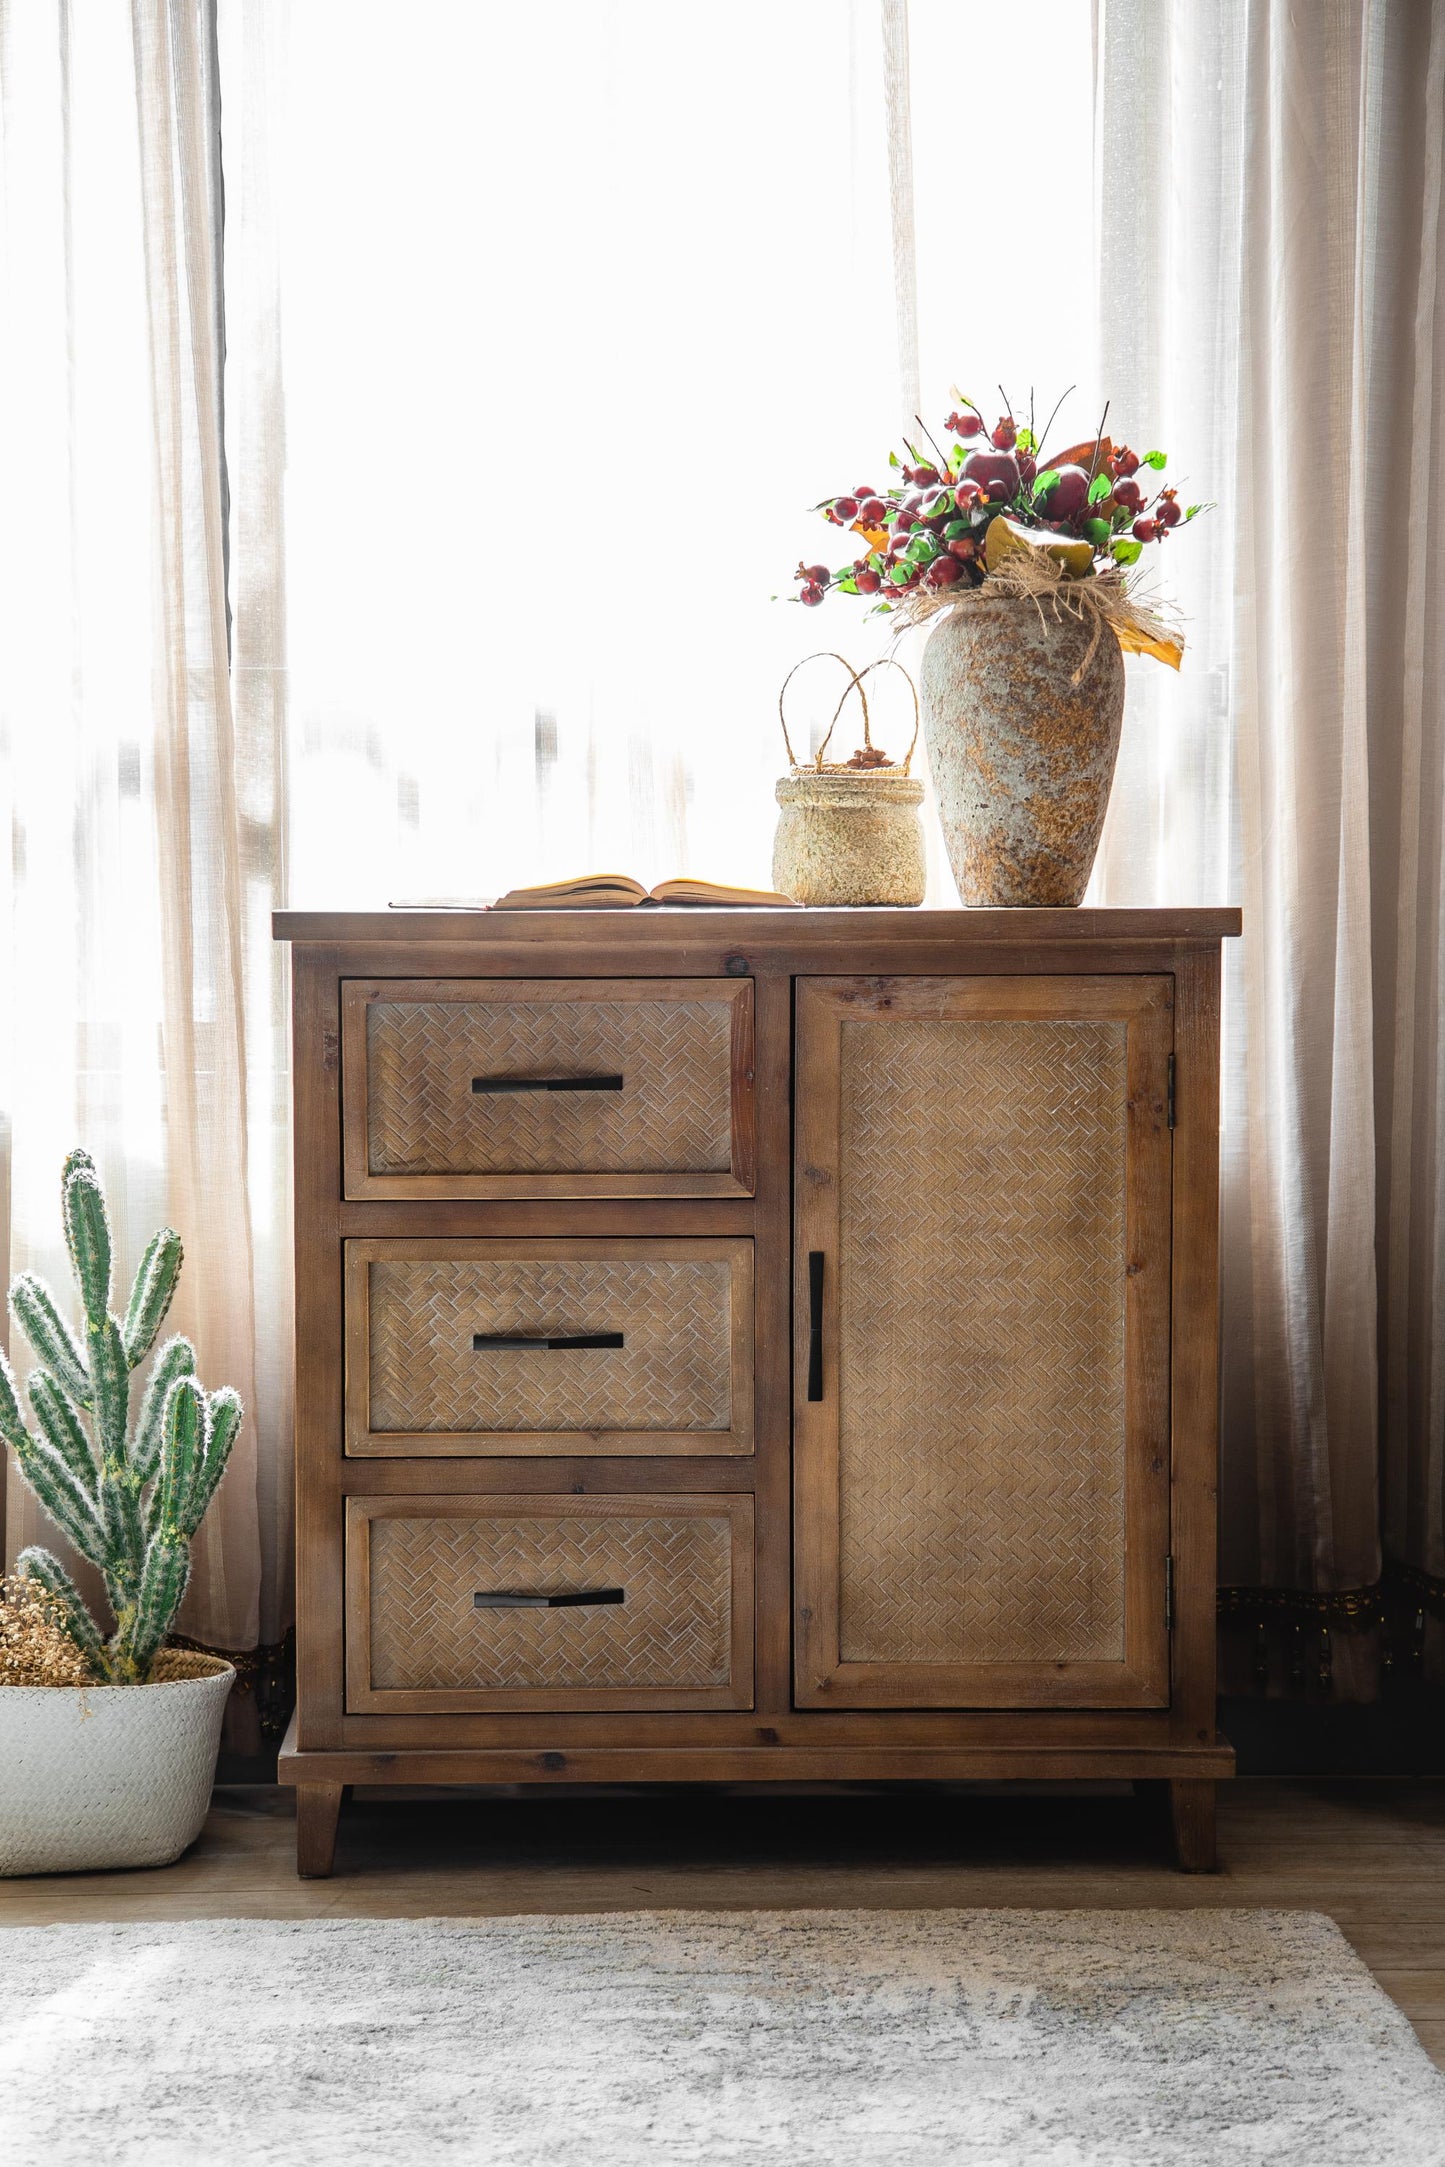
[{"x": 662, "y": 925}]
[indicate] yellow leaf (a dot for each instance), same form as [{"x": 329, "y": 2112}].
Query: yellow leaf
[
  {"x": 1006, "y": 538},
  {"x": 1166, "y": 649},
  {"x": 875, "y": 537}
]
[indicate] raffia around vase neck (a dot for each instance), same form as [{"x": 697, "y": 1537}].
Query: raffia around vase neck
[{"x": 1141, "y": 626}]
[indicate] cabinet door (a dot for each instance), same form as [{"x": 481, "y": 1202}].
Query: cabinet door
[{"x": 981, "y": 1428}]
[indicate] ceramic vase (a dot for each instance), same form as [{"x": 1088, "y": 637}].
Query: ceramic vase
[{"x": 1022, "y": 707}]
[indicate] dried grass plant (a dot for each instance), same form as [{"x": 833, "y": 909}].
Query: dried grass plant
[{"x": 35, "y": 1647}]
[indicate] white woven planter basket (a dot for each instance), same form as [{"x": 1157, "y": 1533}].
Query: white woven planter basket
[{"x": 95, "y": 1776}]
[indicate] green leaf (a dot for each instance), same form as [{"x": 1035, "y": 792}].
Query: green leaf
[
  {"x": 1099, "y": 487},
  {"x": 899, "y": 575},
  {"x": 893, "y": 459},
  {"x": 921, "y": 549},
  {"x": 1192, "y": 510},
  {"x": 1096, "y": 531},
  {"x": 1047, "y": 482},
  {"x": 956, "y": 456},
  {"x": 1125, "y": 550},
  {"x": 955, "y": 529},
  {"x": 845, "y": 583},
  {"x": 875, "y": 561},
  {"x": 1027, "y": 441},
  {"x": 1156, "y": 459}
]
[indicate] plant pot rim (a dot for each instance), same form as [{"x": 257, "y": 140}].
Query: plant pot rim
[
  {"x": 200, "y": 1670},
  {"x": 859, "y": 784}
]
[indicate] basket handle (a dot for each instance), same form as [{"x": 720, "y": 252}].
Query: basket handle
[
  {"x": 824, "y": 654},
  {"x": 888, "y": 662}
]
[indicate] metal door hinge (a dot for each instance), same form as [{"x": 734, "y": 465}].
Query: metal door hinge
[
  {"x": 1170, "y": 1099},
  {"x": 1169, "y": 1595}
]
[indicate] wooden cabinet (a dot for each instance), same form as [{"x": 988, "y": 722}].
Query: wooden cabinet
[{"x": 755, "y": 1345}]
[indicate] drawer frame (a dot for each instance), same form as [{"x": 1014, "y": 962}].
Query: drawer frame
[
  {"x": 361, "y": 1185},
  {"x": 362, "y": 1698},
  {"x": 364, "y": 1443}
]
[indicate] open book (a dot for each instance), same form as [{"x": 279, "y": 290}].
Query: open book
[{"x": 614, "y": 891}]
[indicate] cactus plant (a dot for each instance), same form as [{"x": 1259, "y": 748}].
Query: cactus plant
[{"x": 129, "y": 1498}]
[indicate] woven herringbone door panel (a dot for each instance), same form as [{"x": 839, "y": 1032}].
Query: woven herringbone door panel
[
  {"x": 981, "y": 1389},
  {"x": 663, "y": 1631},
  {"x": 594, "y": 1088},
  {"x": 983, "y": 1466}
]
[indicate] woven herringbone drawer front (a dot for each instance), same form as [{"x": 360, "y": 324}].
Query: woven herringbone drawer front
[
  {"x": 675, "y": 1569},
  {"x": 630, "y": 1087},
  {"x": 425, "y": 1372}
]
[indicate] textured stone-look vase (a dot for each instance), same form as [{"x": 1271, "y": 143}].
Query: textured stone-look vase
[
  {"x": 847, "y": 839},
  {"x": 1022, "y": 706}
]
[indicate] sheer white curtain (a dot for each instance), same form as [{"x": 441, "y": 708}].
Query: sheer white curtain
[
  {"x": 543, "y": 328},
  {"x": 140, "y": 991},
  {"x": 1269, "y": 188}
]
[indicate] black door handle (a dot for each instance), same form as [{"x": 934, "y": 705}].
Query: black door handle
[
  {"x": 815, "y": 1324},
  {"x": 491, "y": 1086},
  {"x": 482, "y": 1341},
  {"x": 523, "y": 1599}
]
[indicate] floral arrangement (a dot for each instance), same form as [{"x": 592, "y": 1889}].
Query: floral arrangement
[{"x": 953, "y": 519}]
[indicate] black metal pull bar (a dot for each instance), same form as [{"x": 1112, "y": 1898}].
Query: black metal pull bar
[
  {"x": 815, "y": 1324},
  {"x": 523, "y": 1599},
  {"x": 483, "y": 1341},
  {"x": 493, "y": 1086}
]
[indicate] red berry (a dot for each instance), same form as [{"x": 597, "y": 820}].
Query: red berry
[
  {"x": 1124, "y": 461},
  {"x": 964, "y": 548},
  {"x": 867, "y": 582},
  {"x": 965, "y": 424},
  {"x": 926, "y": 477},
  {"x": 903, "y": 520},
  {"x": 996, "y": 473},
  {"x": 872, "y": 511},
  {"x": 861, "y": 493},
  {"x": 811, "y": 595},
  {"x": 1006, "y": 434},
  {"x": 1070, "y": 493},
  {"x": 1145, "y": 530},
  {"x": 1167, "y": 511},
  {"x": 1028, "y": 466},
  {"x": 1128, "y": 493},
  {"x": 967, "y": 494},
  {"x": 817, "y": 574},
  {"x": 943, "y": 572},
  {"x": 847, "y": 509}
]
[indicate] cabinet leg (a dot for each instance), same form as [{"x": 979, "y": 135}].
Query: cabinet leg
[
  {"x": 318, "y": 1809},
  {"x": 1191, "y": 1810}
]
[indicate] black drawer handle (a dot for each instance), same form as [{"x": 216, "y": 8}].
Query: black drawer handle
[
  {"x": 492, "y": 1086},
  {"x": 815, "y": 1324},
  {"x": 482, "y": 1342},
  {"x": 523, "y": 1599}
]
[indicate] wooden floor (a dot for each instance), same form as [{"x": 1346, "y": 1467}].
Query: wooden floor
[{"x": 1371, "y": 1855}]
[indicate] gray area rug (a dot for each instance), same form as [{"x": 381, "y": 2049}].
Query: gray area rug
[{"x": 991, "y": 2038}]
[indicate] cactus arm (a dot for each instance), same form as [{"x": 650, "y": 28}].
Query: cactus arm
[
  {"x": 177, "y": 1358},
  {"x": 150, "y": 1297},
  {"x": 162, "y": 1584},
  {"x": 224, "y": 1413},
  {"x": 60, "y": 1422},
  {"x": 182, "y": 1447},
  {"x": 87, "y": 1228},
  {"x": 12, "y": 1421},
  {"x": 73, "y": 1159},
  {"x": 48, "y": 1572},
  {"x": 32, "y": 1305},
  {"x": 69, "y": 1506}
]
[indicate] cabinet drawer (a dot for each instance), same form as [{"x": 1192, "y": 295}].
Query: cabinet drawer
[
  {"x": 548, "y": 1088},
  {"x": 598, "y": 1602},
  {"x": 637, "y": 1346}
]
